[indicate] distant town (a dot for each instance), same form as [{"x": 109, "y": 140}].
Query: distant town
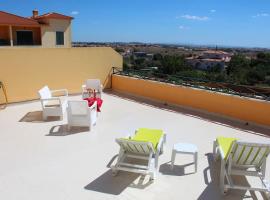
[
  {"x": 200, "y": 57},
  {"x": 235, "y": 65}
]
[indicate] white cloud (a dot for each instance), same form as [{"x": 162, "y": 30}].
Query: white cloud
[
  {"x": 261, "y": 15},
  {"x": 183, "y": 27},
  {"x": 213, "y": 11},
  {"x": 75, "y": 12},
  {"x": 193, "y": 17}
]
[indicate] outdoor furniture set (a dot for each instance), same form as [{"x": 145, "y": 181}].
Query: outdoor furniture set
[
  {"x": 82, "y": 113},
  {"x": 237, "y": 157}
]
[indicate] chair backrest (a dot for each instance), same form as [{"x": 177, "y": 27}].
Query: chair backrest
[
  {"x": 249, "y": 154},
  {"x": 45, "y": 93},
  {"x": 78, "y": 107},
  {"x": 93, "y": 84},
  {"x": 136, "y": 147}
]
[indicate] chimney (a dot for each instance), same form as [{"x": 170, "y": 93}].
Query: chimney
[{"x": 35, "y": 13}]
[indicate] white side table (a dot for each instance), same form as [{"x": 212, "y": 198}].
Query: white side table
[{"x": 185, "y": 148}]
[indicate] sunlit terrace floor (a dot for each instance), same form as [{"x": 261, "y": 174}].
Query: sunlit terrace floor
[{"x": 41, "y": 160}]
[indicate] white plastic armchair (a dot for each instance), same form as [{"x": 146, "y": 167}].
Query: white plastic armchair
[
  {"x": 92, "y": 84},
  {"x": 53, "y": 105},
  {"x": 81, "y": 115}
]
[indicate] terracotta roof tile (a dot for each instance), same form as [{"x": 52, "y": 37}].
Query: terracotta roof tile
[
  {"x": 53, "y": 15},
  {"x": 11, "y": 19}
]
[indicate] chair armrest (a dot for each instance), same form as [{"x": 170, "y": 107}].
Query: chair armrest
[
  {"x": 160, "y": 143},
  {"x": 64, "y": 91},
  {"x": 221, "y": 153},
  {"x": 51, "y": 99},
  {"x": 84, "y": 88},
  {"x": 94, "y": 106},
  {"x": 164, "y": 138}
]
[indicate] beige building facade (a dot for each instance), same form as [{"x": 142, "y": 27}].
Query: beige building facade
[
  {"x": 49, "y": 30},
  {"x": 48, "y": 33}
]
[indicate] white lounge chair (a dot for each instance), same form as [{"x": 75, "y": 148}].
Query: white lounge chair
[
  {"x": 241, "y": 158},
  {"x": 92, "y": 84},
  {"x": 146, "y": 144},
  {"x": 53, "y": 105},
  {"x": 79, "y": 114}
]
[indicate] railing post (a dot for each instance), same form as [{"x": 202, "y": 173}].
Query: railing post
[{"x": 2, "y": 86}]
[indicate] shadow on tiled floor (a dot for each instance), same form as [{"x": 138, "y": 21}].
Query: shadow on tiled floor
[
  {"x": 62, "y": 130},
  {"x": 36, "y": 117}
]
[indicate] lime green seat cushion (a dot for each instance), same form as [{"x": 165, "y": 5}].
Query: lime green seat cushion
[
  {"x": 148, "y": 135},
  {"x": 225, "y": 145}
]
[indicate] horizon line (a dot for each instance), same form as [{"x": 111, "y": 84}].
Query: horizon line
[{"x": 183, "y": 44}]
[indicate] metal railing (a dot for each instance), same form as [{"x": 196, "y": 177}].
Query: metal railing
[
  {"x": 2, "y": 86},
  {"x": 262, "y": 93}
]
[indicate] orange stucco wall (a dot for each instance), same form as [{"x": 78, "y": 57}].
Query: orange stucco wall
[
  {"x": 246, "y": 109},
  {"x": 25, "y": 70}
]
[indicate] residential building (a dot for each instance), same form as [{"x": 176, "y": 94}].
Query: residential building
[
  {"x": 140, "y": 54},
  {"x": 48, "y": 30},
  {"x": 47, "y": 160},
  {"x": 209, "y": 59}
]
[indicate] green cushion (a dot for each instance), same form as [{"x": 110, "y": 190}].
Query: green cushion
[
  {"x": 225, "y": 145},
  {"x": 148, "y": 135}
]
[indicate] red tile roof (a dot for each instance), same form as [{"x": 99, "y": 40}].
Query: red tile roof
[
  {"x": 11, "y": 19},
  {"x": 53, "y": 15},
  {"x": 216, "y": 52}
]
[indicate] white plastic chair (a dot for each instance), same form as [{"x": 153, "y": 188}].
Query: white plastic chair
[
  {"x": 53, "y": 106},
  {"x": 244, "y": 159},
  {"x": 92, "y": 84},
  {"x": 141, "y": 150},
  {"x": 80, "y": 114}
]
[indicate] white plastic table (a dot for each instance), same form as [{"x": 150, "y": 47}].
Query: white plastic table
[{"x": 185, "y": 148}]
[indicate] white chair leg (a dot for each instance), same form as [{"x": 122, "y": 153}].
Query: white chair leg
[
  {"x": 215, "y": 150},
  {"x": 156, "y": 160},
  {"x": 222, "y": 176},
  {"x": 152, "y": 175},
  {"x": 119, "y": 159},
  {"x": 114, "y": 172},
  {"x": 263, "y": 168},
  {"x": 173, "y": 159},
  {"x": 161, "y": 148},
  {"x": 44, "y": 116}
]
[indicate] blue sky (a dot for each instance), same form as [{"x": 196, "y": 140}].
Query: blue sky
[{"x": 216, "y": 22}]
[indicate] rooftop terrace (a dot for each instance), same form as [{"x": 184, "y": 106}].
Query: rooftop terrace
[{"x": 41, "y": 160}]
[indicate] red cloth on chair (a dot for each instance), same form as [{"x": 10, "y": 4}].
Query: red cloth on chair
[{"x": 92, "y": 100}]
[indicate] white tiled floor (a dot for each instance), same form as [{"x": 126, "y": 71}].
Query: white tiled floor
[{"x": 41, "y": 160}]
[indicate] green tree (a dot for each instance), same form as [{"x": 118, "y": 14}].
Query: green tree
[
  {"x": 215, "y": 69},
  {"x": 255, "y": 76},
  {"x": 238, "y": 68},
  {"x": 263, "y": 56},
  {"x": 139, "y": 63},
  {"x": 238, "y": 63},
  {"x": 119, "y": 50},
  {"x": 172, "y": 64},
  {"x": 157, "y": 57},
  {"x": 125, "y": 66}
]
